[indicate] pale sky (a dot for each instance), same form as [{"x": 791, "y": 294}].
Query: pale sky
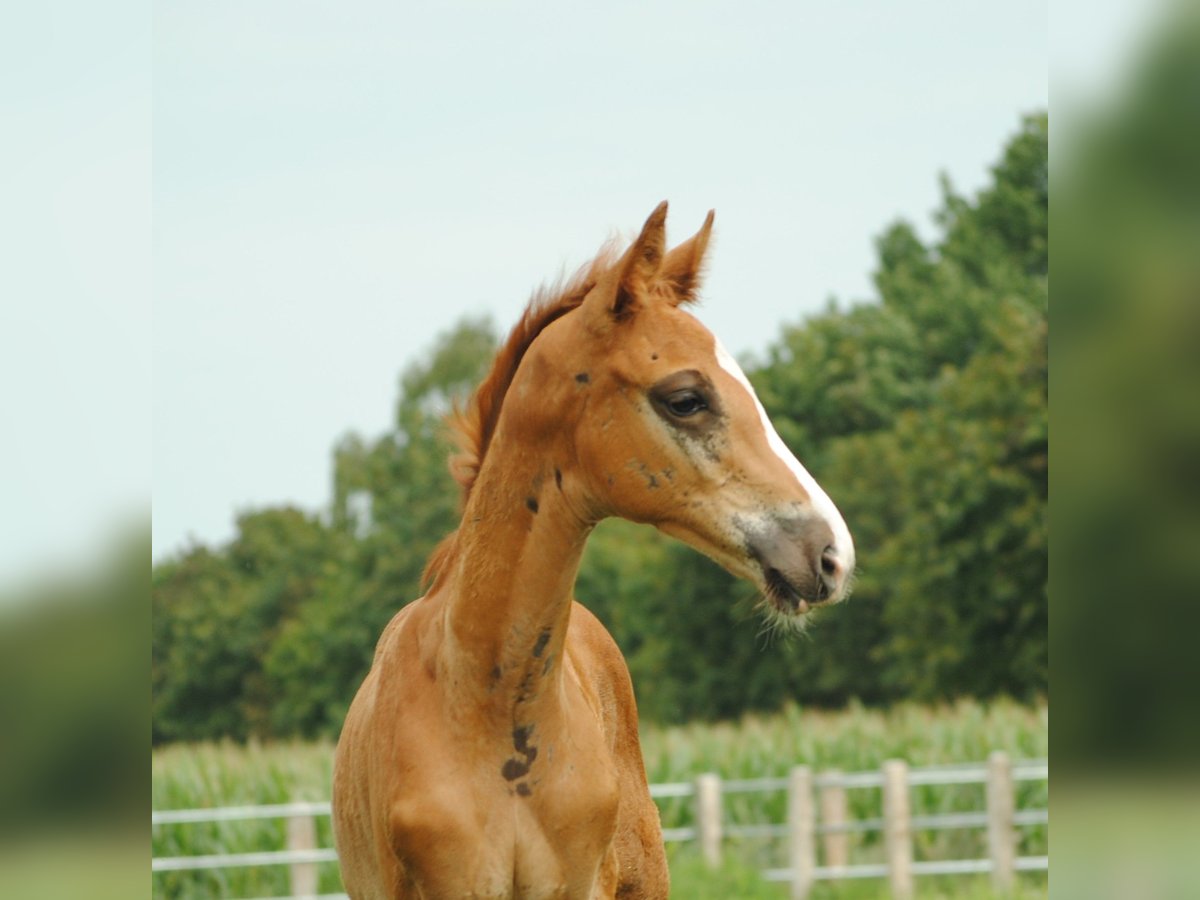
[
  {"x": 335, "y": 184},
  {"x": 75, "y": 282}
]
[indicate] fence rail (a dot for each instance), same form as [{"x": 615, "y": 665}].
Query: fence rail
[{"x": 804, "y": 829}]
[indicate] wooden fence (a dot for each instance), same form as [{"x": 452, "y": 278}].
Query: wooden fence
[{"x": 816, "y": 832}]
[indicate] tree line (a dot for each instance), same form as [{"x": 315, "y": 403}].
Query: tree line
[{"x": 923, "y": 413}]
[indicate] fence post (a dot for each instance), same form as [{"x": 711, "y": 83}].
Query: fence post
[
  {"x": 897, "y": 828},
  {"x": 833, "y": 817},
  {"x": 1001, "y": 833},
  {"x": 302, "y": 835},
  {"x": 708, "y": 817},
  {"x": 802, "y": 846}
]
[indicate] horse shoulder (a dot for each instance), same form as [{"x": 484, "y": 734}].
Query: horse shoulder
[
  {"x": 365, "y": 772},
  {"x": 638, "y": 838},
  {"x": 600, "y": 661}
]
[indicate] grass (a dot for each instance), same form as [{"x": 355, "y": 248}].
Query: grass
[
  {"x": 857, "y": 739},
  {"x": 691, "y": 879}
]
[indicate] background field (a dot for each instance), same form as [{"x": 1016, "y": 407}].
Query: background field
[{"x": 857, "y": 739}]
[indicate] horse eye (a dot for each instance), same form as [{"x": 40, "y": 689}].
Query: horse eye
[{"x": 686, "y": 403}]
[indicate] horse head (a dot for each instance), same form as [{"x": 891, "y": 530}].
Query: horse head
[{"x": 664, "y": 428}]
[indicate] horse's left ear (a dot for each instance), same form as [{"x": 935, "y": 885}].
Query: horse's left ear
[
  {"x": 641, "y": 261},
  {"x": 682, "y": 269},
  {"x": 619, "y": 290}
]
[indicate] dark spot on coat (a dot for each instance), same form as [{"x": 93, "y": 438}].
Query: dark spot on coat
[
  {"x": 583, "y": 378},
  {"x": 523, "y": 789},
  {"x": 546, "y": 666},
  {"x": 495, "y": 674},
  {"x": 558, "y": 477},
  {"x": 514, "y": 769},
  {"x": 540, "y": 647},
  {"x": 654, "y": 356},
  {"x": 520, "y": 738},
  {"x": 651, "y": 478},
  {"x": 532, "y": 503}
]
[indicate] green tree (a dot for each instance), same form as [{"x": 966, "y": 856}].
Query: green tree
[
  {"x": 948, "y": 502},
  {"x": 199, "y": 657},
  {"x": 961, "y": 575},
  {"x": 216, "y": 615}
]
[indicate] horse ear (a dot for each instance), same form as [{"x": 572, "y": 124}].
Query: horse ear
[
  {"x": 635, "y": 270},
  {"x": 682, "y": 269}
]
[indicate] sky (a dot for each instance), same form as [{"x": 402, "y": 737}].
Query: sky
[
  {"x": 75, "y": 284},
  {"x": 330, "y": 186}
]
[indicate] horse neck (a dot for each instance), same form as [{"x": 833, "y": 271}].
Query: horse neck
[{"x": 509, "y": 593}]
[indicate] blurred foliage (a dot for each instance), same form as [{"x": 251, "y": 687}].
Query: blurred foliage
[
  {"x": 72, "y": 697},
  {"x": 1127, "y": 372},
  {"x": 922, "y": 414}
]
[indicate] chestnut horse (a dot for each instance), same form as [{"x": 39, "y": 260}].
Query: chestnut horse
[{"x": 492, "y": 750}]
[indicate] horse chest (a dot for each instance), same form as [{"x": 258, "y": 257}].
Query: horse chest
[{"x": 544, "y": 834}]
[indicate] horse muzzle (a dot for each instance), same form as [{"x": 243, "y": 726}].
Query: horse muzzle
[{"x": 800, "y": 562}]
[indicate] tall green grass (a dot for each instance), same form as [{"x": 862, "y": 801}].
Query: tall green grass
[{"x": 857, "y": 739}]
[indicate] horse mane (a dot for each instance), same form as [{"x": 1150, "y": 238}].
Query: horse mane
[{"x": 471, "y": 427}]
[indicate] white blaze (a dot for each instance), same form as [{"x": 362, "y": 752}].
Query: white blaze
[{"x": 843, "y": 543}]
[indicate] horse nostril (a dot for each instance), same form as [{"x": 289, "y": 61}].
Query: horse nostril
[
  {"x": 831, "y": 571},
  {"x": 829, "y": 563}
]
